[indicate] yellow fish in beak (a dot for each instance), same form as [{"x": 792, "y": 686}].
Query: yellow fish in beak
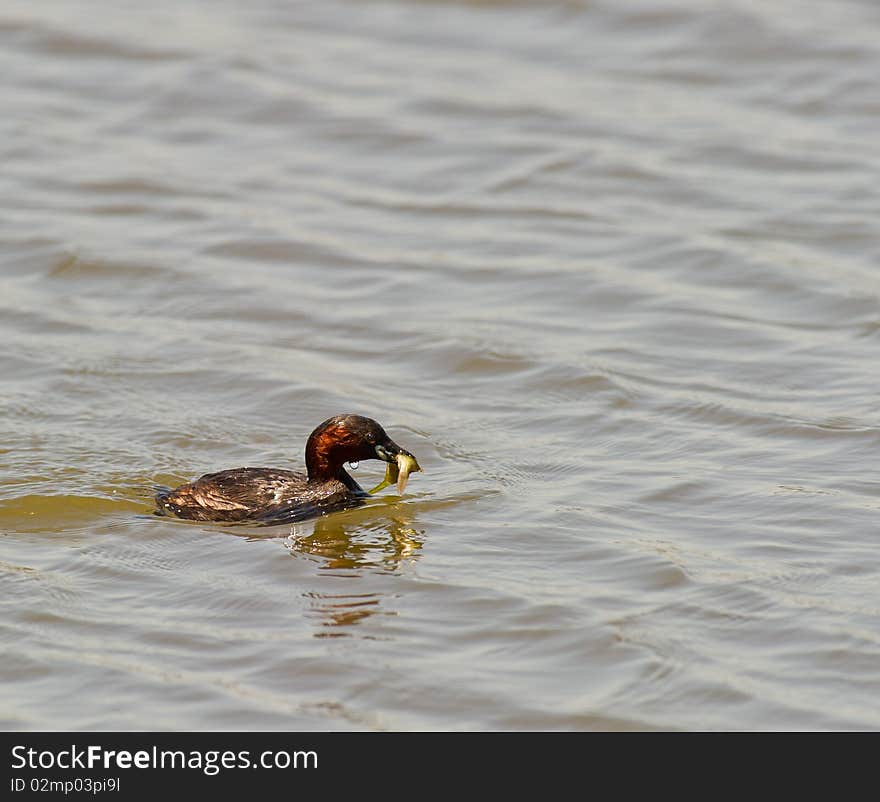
[{"x": 399, "y": 472}]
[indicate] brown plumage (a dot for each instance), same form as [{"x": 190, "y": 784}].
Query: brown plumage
[{"x": 270, "y": 495}]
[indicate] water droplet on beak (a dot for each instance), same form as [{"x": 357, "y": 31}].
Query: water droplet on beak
[{"x": 353, "y": 465}]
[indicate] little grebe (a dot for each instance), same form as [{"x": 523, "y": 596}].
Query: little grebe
[{"x": 269, "y": 495}]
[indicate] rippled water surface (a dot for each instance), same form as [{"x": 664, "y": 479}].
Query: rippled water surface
[{"x": 609, "y": 269}]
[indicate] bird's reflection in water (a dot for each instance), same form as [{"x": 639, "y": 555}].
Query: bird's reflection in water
[
  {"x": 353, "y": 540},
  {"x": 354, "y": 544}
]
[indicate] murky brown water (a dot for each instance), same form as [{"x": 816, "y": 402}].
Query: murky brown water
[{"x": 610, "y": 270}]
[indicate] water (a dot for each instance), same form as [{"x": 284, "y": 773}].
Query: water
[{"x": 609, "y": 270}]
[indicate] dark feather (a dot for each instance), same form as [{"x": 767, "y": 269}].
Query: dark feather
[{"x": 257, "y": 494}]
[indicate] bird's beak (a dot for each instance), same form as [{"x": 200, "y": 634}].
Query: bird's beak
[{"x": 388, "y": 451}]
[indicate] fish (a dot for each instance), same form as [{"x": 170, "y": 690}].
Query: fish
[{"x": 398, "y": 472}]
